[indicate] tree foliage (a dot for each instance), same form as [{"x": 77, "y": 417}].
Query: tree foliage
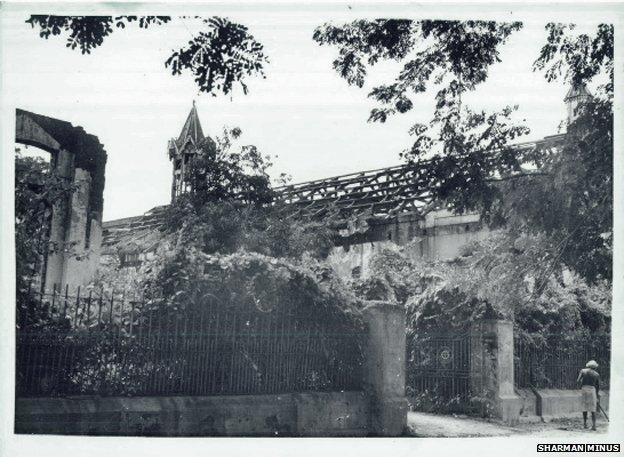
[
  {"x": 562, "y": 191},
  {"x": 222, "y": 170},
  {"x": 455, "y": 55},
  {"x": 465, "y": 148},
  {"x": 88, "y": 32},
  {"x": 37, "y": 190},
  {"x": 573, "y": 202},
  {"x": 232, "y": 206},
  {"x": 223, "y": 54},
  {"x": 499, "y": 277},
  {"x": 230, "y": 235},
  {"x": 578, "y": 58}
]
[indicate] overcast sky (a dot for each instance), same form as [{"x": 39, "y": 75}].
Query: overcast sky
[{"x": 302, "y": 112}]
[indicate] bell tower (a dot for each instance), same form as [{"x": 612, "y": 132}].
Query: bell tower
[
  {"x": 576, "y": 96},
  {"x": 182, "y": 149}
]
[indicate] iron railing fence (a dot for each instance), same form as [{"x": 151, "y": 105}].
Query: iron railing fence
[
  {"x": 103, "y": 344},
  {"x": 556, "y": 362},
  {"x": 438, "y": 370}
]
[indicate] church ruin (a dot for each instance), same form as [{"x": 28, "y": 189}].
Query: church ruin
[
  {"x": 75, "y": 225},
  {"x": 380, "y": 208}
]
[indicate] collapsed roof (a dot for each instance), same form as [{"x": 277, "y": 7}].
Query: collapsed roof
[{"x": 383, "y": 193}]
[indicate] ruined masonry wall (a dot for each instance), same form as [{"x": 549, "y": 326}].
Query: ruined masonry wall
[
  {"x": 76, "y": 224},
  {"x": 439, "y": 236},
  {"x": 83, "y": 257}
]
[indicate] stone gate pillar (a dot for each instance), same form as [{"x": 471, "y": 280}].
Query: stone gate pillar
[
  {"x": 492, "y": 368},
  {"x": 384, "y": 368}
]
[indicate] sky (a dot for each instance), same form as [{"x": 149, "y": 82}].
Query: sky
[{"x": 303, "y": 113}]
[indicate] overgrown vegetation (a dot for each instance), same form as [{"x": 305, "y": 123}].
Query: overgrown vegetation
[
  {"x": 230, "y": 235},
  {"x": 38, "y": 190},
  {"x": 547, "y": 266},
  {"x": 229, "y": 243},
  {"x": 498, "y": 278}
]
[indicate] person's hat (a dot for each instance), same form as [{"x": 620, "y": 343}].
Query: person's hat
[{"x": 592, "y": 364}]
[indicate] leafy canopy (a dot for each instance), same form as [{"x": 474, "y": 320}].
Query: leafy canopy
[
  {"x": 452, "y": 54},
  {"x": 572, "y": 203},
  {"x": 562, "y": 190},
  {"x": 578, "y": 58},
  {"x": 223, "y": 54},
  {"x": 452, "y": 57}
]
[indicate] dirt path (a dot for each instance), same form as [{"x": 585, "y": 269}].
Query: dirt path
[{"x": 437, "y": 425}]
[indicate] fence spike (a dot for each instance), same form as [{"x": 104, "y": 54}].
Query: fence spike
[
  {"x": 65, "y": 303},
  {"x": 53, "y": 295},
  {"x": 121, "y": 307},
  {"x": 88, "y": 309},
  {"x": 77, "y": 307},
  {"x": 100, "y": 309},
  {"x": 112, "y": 303},
  {"x": 132, "y": 303}
]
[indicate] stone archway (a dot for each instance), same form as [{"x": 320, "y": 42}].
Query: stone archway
[{"x": 76, "y": 224}]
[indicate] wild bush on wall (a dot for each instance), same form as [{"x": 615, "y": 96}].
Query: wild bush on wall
[
  {"x": 232, "y": 236},
  {"x": 251, "y": 281},
  {"x": 500, "y": 276}
]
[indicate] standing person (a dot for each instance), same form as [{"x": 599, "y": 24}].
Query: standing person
[{"x": 590, "y": 385}]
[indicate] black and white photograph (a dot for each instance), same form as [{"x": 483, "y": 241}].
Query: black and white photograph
[{"x": 321, "y": 220}]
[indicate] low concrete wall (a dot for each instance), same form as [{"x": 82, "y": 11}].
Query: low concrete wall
[
  {"x": 552, "y": 403},
  {"x": 304, "y": 414}
]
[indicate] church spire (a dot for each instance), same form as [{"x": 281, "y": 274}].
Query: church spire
[
  {"x": 183, "y": 148},
  {"x": 192, "y": 130}
]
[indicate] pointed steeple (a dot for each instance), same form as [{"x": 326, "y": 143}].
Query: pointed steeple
[
  {"x": 183, "y": 148},
  {"x": 191, "y": 131}
]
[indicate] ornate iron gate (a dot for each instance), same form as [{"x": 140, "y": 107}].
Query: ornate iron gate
[{"x": 438, "y": 371}]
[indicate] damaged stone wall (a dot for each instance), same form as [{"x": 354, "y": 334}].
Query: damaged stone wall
[
  {"x": 76, "y": 224},
  {"x": 440, "y": 235}
]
